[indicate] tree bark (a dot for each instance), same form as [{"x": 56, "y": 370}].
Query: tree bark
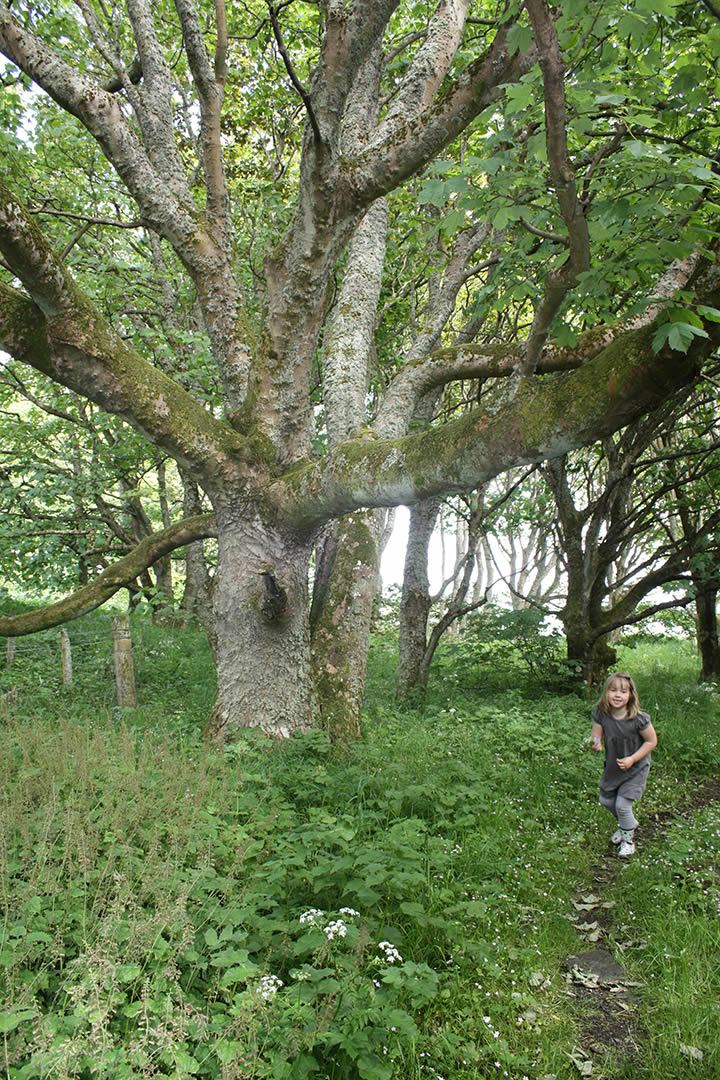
[
  {"x": 416, "y": 601},
  {"x": 264, "y": 671},
  {"x": 708, "y": 640},
  {"x": 342, "y": 631}
]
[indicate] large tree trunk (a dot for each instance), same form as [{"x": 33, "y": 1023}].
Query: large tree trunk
[
  {"x": 263, "y": 631},
  {"x": 708, "y": 641},
  {"x": 591, "y": 654}
]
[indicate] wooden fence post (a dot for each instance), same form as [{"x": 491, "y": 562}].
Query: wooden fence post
[
  {"x": 66, "y": 656},
  {"x": 10, "y": 651},
  {"x": 122, "y": 655}
]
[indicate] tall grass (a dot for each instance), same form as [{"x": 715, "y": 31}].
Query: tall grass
[{"x": 401, "y": 910}]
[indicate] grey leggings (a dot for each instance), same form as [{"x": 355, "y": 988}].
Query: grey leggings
[{"x": 620, "y": 807}]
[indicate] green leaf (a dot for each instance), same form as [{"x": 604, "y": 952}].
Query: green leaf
[
  {"x": 433, "y": 193},
  {"x": 678, "y": 335},
  {"x": 638, "y": 149},
  {"x": 12, "y": 1019},
  {"x": 519, "y": 38},
  {"x": 372, "y": 1067},
  {"x": 519, "y": 97}
]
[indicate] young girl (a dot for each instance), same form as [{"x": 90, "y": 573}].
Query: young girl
[{"x": 629, "y": 737}]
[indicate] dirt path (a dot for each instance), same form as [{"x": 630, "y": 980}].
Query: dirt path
[{"x": 611, "y": 1025}]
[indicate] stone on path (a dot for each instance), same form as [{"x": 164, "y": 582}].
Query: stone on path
[{"x": 599, "y": 963}]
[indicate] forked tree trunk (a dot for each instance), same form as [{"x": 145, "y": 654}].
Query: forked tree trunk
[{"x": 263, "y": 634}]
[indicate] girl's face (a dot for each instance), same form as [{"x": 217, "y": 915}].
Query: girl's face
[{"x": 618, "y": 694}]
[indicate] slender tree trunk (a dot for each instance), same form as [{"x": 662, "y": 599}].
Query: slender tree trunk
[
  {"x": 341, "y": 630},
  {"x": 708, "y": 641},
  {"x": 197, "y": 598},
  {"x": 263, "y": 631},
  {"x": 163, "y": 567},
  {"x": 416, "y": 601}
]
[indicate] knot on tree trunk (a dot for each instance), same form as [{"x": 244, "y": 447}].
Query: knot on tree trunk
[{"x": 274, "y": 601}]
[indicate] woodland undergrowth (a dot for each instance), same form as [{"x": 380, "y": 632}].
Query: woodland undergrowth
[{"x": 399, "y": 909}]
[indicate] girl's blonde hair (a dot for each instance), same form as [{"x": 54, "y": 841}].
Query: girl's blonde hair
[{"x": 633, "y": 707}]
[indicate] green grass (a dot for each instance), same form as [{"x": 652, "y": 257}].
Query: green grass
[{"x": 400, "y": 910}]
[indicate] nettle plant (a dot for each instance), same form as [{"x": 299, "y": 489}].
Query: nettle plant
[
  {"x": 342, "y": 1007},
  {"x": 328, "y": 1001}
]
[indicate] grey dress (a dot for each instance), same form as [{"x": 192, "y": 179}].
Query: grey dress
[{"x": 622, "y": 739}]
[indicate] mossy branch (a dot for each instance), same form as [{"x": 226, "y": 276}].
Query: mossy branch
[{"x": 111, "y": 580}]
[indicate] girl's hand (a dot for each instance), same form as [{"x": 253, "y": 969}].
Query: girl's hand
[{"x": 625, "y": 763}]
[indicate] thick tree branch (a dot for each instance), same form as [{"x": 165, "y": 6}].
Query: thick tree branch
[
  {"x": 116, "y": 577},
  {"x": 60, "y": 333},
  {"x": 542, "y": 418},
  {"x": 209, "y": 80},
  {"x": 165, "y": 203},
  {"x": 430, "y": 64},
  {"x": 398, "y": 150},
  {"x": 153, "y": 175}
]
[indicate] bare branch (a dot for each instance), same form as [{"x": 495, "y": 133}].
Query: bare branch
[
  {"x": 45, "y": 211},
  {"x": 282, "y": 49},
  {"x": 563, "y": 177}
]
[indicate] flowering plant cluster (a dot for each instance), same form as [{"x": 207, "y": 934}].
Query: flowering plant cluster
[{"x": 338, "y": 975}]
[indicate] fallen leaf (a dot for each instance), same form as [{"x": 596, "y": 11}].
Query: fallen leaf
[
  {"x": 585, "y": 978},
  {"x": 581, "y": 1061},
  {"x": 692, "y": 1052}
]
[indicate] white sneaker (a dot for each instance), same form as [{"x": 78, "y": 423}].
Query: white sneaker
[
  {"x": 616, "y": 837},
  {"x": 627, "y": 847}
]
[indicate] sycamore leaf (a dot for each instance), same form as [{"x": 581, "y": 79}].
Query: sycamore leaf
[
  {"x": 519, "y": 38},
  {"x": 678, "y": 335}
]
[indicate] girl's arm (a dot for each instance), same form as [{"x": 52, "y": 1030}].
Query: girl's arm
[
  {"x": 649, "y": 737},
  {"x": 596, "y": 735}
]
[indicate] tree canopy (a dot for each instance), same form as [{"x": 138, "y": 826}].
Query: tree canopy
[{"x": 266, "y": 236}]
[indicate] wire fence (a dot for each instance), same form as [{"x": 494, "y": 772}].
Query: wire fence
[{"x": 92, "y": 646}]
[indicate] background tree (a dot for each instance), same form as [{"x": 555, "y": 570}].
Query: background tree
[
  {"x": 565, "y": 172},
  {"x": 624, "y": 525}
]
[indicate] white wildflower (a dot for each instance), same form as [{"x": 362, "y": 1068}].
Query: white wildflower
[
  {"x": 269, "y": 986},
  {"x": 392, "y": 956},
  {"x": 311, "y": 915},
  {"x": 335, "y": 929}
]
